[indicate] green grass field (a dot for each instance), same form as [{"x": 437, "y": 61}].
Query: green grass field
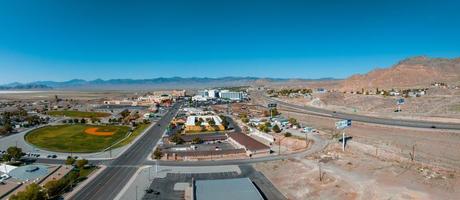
[
  {"x": 82, "y": 114},
  {"x": 72, "y": 138},
  {"x": 139, "y": 129}
]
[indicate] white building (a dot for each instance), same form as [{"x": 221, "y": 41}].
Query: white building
[
  {"x": 199, "y": 98},
  {"x": 225, "y": 94},
  {"x": 213, "y": 93},
  {"x": 191, "y": 120}
]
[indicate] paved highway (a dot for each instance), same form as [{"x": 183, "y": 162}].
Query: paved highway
[
  {"x": 367, "y": 119},
  {"x": 118, "y": 172}
]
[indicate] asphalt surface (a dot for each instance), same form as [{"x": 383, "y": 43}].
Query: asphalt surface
[
  {"x": 120, "y": 170},
  {"x": 366, "y": 119},
  {"x": 165, "y": 186}
]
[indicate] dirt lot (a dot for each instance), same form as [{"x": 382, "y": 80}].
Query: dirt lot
[
  {"x": 376, "y": 165},
  {"x": 434, "y": 147},
  {"x": 356, "y": 175}
]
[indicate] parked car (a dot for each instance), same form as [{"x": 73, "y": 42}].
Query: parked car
[{"x": 3, "y": 177}]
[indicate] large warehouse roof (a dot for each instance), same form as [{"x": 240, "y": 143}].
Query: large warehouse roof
[{"x": 226, "y": 189}]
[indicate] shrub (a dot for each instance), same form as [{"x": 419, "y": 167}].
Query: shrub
[
  {"x": 157, "y": 154},
  {"x": 81, "y": 163},
  {"x": 276, "y": 129},
  {"x": 287, "y": 134}
]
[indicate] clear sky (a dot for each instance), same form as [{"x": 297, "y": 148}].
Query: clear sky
[{"x": 89, "y": 39}]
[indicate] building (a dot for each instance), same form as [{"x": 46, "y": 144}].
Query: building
[
  {"x": 320, "y": 90},
  {"x": 213, "y": 94},
  {"x": 199, "y": 98},
  {"x": 191, "y": 126},
  {"x": 121, "y": 102},
  {"x": 173, "y": 93},
  {"x": 252, "y": 146},
  {"x": 225, "y": 189},
  {"x": 203, "y": 93},
  {"x": 237, "y": 96}
]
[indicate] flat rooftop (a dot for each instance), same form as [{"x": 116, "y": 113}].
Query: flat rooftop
[{"x": 226, "y": 189}]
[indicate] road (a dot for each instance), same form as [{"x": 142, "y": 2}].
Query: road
[
  {"x": 118, "y": 172},
  {"x": 362, "y": 118},
  {"x": 318, "y": 145}
]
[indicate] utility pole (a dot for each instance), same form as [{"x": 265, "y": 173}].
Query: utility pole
[
  {"x": 156, "y": 168},
  {"x": 320, "y": 172},
  {"x": 306, "y": 139}
]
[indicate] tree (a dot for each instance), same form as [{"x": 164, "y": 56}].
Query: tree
[
  {"x": 53, "y": 188},
  {"x": 32, "y": 192},
  {"x": 292, "y": 121},
  {"x": 15, "y": 153},
  {"x": 264, "y": 128},
  {"x": 94, "y": 120},
  {"x": 211, "y": 122},
  {"x": 157, "y": 154},
  {"x": 6, "y": 157},
  {"x": 176, "y": 139},
  {"x": 197, "y": 140},
  {"x": 245, "y": 120},
  {"x": 125, "y": 113},
  {"x": 83, "y": 121},
  {"x": 276, "y": 129},
  {"x": 70, "y": 161},
  {"x": 75, "y": 121},
  {"x": 7, "y": 127},
  {"x": 197, "y": 123},
  {"x": 81, "y": 163},
  {"x": 287, "y": 134}
]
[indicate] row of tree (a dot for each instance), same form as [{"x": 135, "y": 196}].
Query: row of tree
[{"x": 20, "y": 116}]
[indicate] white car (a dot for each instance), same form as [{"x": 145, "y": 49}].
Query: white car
[{"x": 3, "y": 177}]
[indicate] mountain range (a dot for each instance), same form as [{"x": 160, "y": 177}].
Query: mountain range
[
  {"x": 412, "y": 72},
  {"x": 155, "y": 83}
]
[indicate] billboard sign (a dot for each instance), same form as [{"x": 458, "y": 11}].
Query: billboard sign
[{"x": 343, "y": 124}]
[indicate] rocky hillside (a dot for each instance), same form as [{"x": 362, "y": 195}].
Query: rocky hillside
[{"x": 412, "y": 72}]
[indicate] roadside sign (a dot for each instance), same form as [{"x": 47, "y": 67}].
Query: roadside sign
[
  {"x": 343, "y": 124},
  {"x": 272, "y": 105}
]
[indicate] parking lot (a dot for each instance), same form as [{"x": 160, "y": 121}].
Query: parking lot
[{"x": 163, "y": 188}]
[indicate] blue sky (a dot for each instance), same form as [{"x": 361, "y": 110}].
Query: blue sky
[{"x": 61, "y": 40}]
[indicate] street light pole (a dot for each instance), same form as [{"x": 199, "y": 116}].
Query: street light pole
[{"x": 306, "y": 139}]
